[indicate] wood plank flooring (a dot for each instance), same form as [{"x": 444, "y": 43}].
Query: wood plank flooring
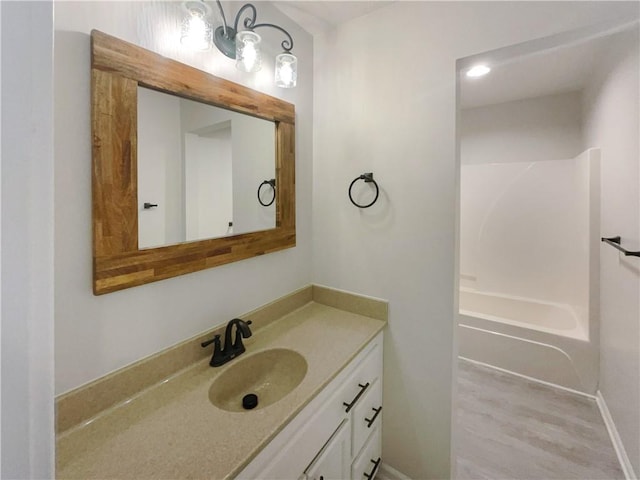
[{"x": 513, "y": 428}]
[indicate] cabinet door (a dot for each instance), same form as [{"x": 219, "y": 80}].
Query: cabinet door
[
  {"x": 366, "y": 465},
  {"x": 334, "y": 461}
]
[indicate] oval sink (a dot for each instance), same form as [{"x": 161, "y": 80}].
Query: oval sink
[{"x": 270, "y": 375}]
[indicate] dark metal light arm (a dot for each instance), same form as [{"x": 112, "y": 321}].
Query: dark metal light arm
[
  {"x": 224, "y": 19},
  {"x": 224, "y": 37},
  {"x": 287, "y": 43},
  {"x": 250, "y": 20}
]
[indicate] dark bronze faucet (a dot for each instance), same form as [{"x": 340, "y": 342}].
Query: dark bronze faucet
[{"x": 230, "y": 350}]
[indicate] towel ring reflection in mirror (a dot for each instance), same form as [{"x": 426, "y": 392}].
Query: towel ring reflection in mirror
[
  {"x": 368, "y": 178},
  {"x": 272, "y": 183}
]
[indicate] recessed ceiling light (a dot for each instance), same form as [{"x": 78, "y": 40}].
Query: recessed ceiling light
[{"x": 478, "y": 71}]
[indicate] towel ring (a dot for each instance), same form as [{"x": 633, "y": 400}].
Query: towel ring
[
  {"x": 368, "y": 178},
  {"x": 272, "y": 183}
]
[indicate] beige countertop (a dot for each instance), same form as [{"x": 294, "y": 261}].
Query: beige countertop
[{"x": 171, "y": 430}]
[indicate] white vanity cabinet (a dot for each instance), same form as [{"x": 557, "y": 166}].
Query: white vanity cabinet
[
  {"x": 334, "y": 460},
  {"x": 337, "y": 435}
]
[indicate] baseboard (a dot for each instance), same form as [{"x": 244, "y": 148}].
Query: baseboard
[
  {"x": 618, "y": 446},
  {"x": 526, "y": 377},
  {"x": 386, "y": 472}
]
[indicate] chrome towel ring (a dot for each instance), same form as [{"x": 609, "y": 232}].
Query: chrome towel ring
[
  {"x": 272, "y": 183},
  {"x": 368, "y": 178}
]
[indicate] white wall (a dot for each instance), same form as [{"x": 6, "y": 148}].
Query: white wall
[
  {"x": 387, "y": 103},
  {"x": 95, "y": 335},
  {"x": 27, "y": 415},
  {"x": 612, "y": 123},
  {"x": 541, "y": 128}
]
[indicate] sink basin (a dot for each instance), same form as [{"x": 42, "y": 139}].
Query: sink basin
[{"x": 270, "y": 374}]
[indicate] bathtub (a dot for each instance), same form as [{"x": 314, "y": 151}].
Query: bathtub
[
  {"x": 547, "y": 317},
  {"x": 542, "y": 340}
]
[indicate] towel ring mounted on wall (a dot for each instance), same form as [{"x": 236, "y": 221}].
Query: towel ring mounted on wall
[
  {"x": 368, "y": 178},
  {"x": 272, "y": 183}
]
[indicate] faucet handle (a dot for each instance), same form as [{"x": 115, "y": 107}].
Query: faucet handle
[{"x": 209, "y": 342}]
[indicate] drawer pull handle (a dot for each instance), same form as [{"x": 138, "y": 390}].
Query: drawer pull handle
[
  {"x": 353, "y": 402},
  {"x": 376, "y": 463},
  {"x": 375, "y": 415}
]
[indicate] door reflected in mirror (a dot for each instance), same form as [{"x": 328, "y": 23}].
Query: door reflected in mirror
[{"x": 199, "y": 171}]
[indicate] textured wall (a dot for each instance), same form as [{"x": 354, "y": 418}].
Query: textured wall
[
  {"x": 385, "y": 101},
  {"x": 613, "y": 124},
  {"x": 541, "y": 128},
  {"x": 26, "y": 422}
]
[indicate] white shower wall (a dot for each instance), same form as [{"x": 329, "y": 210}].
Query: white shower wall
[{"x": 525, "y": 229}]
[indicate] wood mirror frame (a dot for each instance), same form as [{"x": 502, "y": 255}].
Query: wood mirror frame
[{"x": 117, "y": 68}]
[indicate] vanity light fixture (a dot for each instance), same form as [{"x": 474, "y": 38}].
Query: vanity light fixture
[
  {"x": 248, "y": 54},
  {"x": 478, "y": 71},
  {"x": 196, "y": 30},
  {"x": 242, "y": 46}
]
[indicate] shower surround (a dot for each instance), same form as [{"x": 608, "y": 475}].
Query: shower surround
[{"x": 528, "y": 268}]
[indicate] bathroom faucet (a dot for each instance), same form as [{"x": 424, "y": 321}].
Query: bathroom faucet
[{"x": 230, "y": 350}]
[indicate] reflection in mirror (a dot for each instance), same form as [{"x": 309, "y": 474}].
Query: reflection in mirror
[{"x": 201, "y": 166}]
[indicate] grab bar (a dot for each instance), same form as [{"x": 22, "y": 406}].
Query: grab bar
[{"x": 615, "y": 243}]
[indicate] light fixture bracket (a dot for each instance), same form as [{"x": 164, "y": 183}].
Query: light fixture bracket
[
  {"x": 225, "y": 36},
  {"x": 226, "y": 43}
]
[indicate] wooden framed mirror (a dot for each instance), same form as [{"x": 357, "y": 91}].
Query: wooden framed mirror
[{"x": 118, "y": 68}]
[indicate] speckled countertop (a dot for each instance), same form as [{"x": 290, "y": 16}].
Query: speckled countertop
[{"x": 171, "y": 430}]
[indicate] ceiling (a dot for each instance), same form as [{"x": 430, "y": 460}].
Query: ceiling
[
  {"x": 319, "y": 16},
  {"x": 553, "y": 71}
]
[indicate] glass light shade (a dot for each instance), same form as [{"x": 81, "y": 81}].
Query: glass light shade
[
  {"x": 286, "y": 71},
  {"x": 196, "y": 31},
  {"x": 248, "y": 56}
]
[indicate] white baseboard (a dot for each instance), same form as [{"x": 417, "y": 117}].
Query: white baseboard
[
  {"x": 386, "y": 472},
  {"x": 618, "y": 446},
  {"x": 526, "y": 377}
]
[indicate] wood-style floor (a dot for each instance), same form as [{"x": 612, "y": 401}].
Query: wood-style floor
[{"x": 513, "y": 428}]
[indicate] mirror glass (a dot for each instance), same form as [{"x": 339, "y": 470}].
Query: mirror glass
[{"x": 201, "y": 171}]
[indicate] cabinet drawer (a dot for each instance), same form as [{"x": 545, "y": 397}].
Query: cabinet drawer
[
  {"x": 363, "y": 379},
  {"x": 367, "y": 415},
  {"x": 334, "y": 461},
  {"x": 367, "y": 464}
]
